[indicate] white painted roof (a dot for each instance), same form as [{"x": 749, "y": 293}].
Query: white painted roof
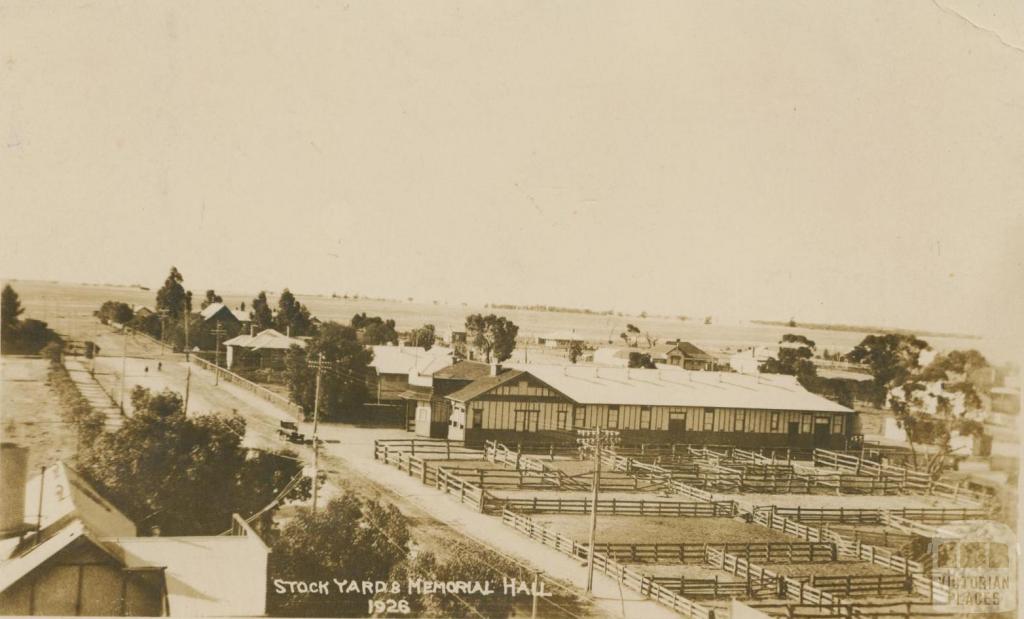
[
  {"x": 268, "y": 338},
  {"x": 678, "y": 387},
  {"x": 67, "y": 495},
  {"x": 406, "y": 359},
  {"x": 205, "y": 576}
]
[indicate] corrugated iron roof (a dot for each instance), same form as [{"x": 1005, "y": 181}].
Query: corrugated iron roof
[
  {"x": 666, "y": 387},
  {"x": 405, "y": 359}
]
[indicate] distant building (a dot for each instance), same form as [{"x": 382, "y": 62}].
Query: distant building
[
  {"x": 392, "y": 366},
  {"x": 547, "y": 403},
  {"x": 267, "y": 349},
  {"x": 749, "y": 361},
  {"x": 226, "y": 316},
  {"x": 86, "y": 557},
  {"x": 679, "y": 354},
  {"x": 426, "y": 395},
  {"x": 559, "y": 339},
  {"x": 689, "y": 357},
  {"x": 143, "y": 312}
]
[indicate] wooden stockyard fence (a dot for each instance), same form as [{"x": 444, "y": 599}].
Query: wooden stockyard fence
[
  {"x": 909, "y": 479},
  {"x": 448, "y": 481},
  {"x": 619, "y": 507},
  {"x": 837, "y": 515},
  {"x": 775, "y": 552},
  {"x": 622, "y": 573}
]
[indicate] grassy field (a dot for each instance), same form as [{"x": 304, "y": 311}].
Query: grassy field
[
  {"x": 31, "y": 412},
  {"x": 669, "y": 530},
  {"x": 59, "y": 303}
]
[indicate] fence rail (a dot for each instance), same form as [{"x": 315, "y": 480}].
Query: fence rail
[
  {"x": 622, "y": 573},
  {"x": 775, "y": 552},
  {"x": 842, "y": 515},
  {"x": 258, "y": 390},
  {"x": 880, "y": 585},
  {"x": 621, "y": 507},
  {"x": 909, "y": 479}
]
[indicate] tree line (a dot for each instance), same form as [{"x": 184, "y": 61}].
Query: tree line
[
  {"x": 26, "y": 336},
  {"x": 930, "y": 402}
]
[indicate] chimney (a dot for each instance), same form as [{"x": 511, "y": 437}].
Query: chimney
[
  {"x": 13, "y": 475},
  {"x": 495, "y": 368}
]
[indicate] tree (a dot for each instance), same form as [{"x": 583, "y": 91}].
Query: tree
[
  {"x": 641, "y": 360},
  {"x": 261, "y": 314},
  {"x": 172, "y": 296},
  {"x": 115, "y": 311},
  {"x": 631, "y": 335},
  {"x": 21, "y": 336},
  {"x": 343, "y": 387},
  {"x": 892, "y": 357},
  {"x": 186, "y": 475},
  {"x": 10, "y": 309},
  {"x": 423, "y": 337},
  {"x": 494, "y": 336},
  {"x": 292, "y": 315},
  {"x": 937, "y": 401},
  {"x": 795, "y": 358},
  {"x": 210, "y": 298},
  {"x": 375, "y": 330},
  {"x": 351, "y": 539},
  {"x": 575, "y": 351}
]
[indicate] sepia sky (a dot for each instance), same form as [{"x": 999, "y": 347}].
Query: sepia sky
[{"x": 846, "y": 161}]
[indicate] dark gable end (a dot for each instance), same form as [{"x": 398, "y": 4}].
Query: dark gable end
[{"x": 484, "y": 388}]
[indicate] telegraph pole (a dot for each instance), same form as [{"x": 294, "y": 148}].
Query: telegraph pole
[
  {"x": 595, "y": 439},
  {"x": 124, "y": 356},
  {"x": 219, "y": 331},
  {"x": 188, "y": 383},
  {"x": 188, "y": 319},
  {"x": 319, "y": 364}
]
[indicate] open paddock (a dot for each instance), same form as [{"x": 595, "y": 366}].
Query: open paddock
[{"x": 668, "y": 530}]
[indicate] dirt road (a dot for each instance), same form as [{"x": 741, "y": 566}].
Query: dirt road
[{"x": 347, "y": 458}]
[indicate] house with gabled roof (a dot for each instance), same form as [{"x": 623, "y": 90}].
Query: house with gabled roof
[
  {"x": 219, "y": 312},
  {"x": 66, "y": 550}
]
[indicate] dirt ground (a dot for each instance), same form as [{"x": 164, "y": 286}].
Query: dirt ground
[
  {"x": 30, "y": 412},
  {"x": 837, "y": 568},
  {"x": 851, "y": 501},
  {"x": 686, "y": 571},
  {"x": 665, "y": 530}
]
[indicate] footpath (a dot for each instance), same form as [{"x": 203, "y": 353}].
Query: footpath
[{"x": 92, "y": 391}]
